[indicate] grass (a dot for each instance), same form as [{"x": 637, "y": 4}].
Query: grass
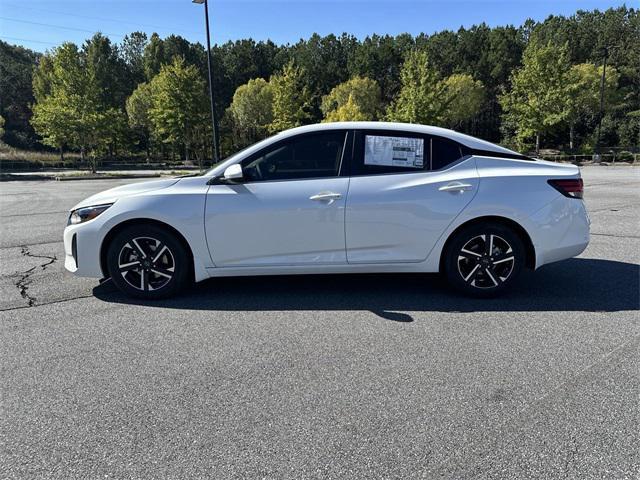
[{"x": 12, "y": 154}]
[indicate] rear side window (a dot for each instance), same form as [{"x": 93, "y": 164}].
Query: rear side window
[
  {"x": 443, "y": 152},
  {"x": 387, "y": 152},
  {"x": 306, "y": 156}
]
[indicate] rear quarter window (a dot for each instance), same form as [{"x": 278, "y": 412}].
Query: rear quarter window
[{"x": 444, "y": 152}]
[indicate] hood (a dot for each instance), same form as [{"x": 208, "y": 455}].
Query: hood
[{"x": 113, "y": 194}]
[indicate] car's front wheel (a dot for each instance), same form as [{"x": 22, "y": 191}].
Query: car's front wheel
[
  {"x": 484, "y": 259},
  {"x": 147, "y": 262}
]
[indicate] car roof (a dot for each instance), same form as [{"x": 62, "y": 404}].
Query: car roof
[{"x": 467, "y": 140}]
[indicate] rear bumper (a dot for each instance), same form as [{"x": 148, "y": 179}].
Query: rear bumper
[{"x": 561, "y": 230}]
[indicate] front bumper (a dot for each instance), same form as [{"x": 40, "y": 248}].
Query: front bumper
[{"x": 82, "y": 250}]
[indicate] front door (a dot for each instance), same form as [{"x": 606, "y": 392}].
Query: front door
[{"x": 287, "y": 210}]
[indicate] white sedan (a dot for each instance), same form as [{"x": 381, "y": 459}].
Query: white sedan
[{"x": 337, "y": 198}]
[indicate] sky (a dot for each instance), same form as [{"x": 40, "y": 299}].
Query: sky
[{"x": 43, "y": 24}]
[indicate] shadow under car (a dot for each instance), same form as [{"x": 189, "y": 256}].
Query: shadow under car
[{"x": 578, "y": 284}]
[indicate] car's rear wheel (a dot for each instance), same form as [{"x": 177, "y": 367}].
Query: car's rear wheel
[
  {"x": 147, "y": 262},
  {"x": 483, "y": 260}
]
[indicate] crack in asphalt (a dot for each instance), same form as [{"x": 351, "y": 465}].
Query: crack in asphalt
[{"x": 25, "y": 280}]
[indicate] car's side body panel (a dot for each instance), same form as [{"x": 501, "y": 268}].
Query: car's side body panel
[
  {"x": 181, "y": 206},
  {"x": 397, "y": 218},
  {"x": 276, "y": 223}
]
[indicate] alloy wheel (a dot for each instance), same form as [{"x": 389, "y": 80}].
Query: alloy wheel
[
  {"x": 486, "y": 261},
  {"x": 146, "y": 263}
]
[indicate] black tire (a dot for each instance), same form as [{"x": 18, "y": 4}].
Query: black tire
[
  {"x": 148, "y": 262},
  {"x": 471, "y": 268}
]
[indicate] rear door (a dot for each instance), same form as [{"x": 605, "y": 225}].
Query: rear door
[{"x": 405, "y": 190}]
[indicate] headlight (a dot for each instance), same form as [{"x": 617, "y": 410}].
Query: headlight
[{"x": 85, "y": 214}]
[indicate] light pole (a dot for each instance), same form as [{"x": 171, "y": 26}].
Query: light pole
[
  {"x": 216, "y": 146},
  {"x": 603, "y": 79}
]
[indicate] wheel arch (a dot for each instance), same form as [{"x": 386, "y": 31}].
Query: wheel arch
[
  {"x": 137, "y": 222},
  {"x": 530, "y": 251}
]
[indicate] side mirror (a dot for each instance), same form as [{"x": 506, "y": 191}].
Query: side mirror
[{"x": 233, "y": 172}]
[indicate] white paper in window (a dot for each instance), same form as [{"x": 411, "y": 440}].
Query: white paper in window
[{"x": 394, "y": 151}]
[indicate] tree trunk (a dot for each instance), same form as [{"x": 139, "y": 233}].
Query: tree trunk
[
  {"x": 61, "y": 154},
  {"x": 186, "y": 153},
  {"x": 572, "y": 133},
  {"x": 537, "y": 144}
]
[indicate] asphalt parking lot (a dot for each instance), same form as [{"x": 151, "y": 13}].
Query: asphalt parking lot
[{"x": 377, "y": 376}]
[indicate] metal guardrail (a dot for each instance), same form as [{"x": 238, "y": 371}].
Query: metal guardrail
[
  {"x": 606, "y": 158},
  {"x": 27, "y": 166}
]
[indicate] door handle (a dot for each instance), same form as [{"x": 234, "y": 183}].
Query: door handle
[
  {"x": 456, "y": 187},
  {"x": 325, "y": 197}
]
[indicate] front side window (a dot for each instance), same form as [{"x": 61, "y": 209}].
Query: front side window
[{"x": 315, "y": 155}]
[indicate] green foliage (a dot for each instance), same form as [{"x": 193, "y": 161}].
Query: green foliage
[
  {"x": 473, "y": 81},
  {"x": 138, "y": 106},
  {"x": 584, "y": 93},
  {"x": 355, "y": 99},
  {"x": 464, "y": 97},
  {"x": 290, "y": 99},
  {"x": 540, "y": 97},
  {"x": 422, "y": 95},
  {"x": 348, "y": 112},
  {"x": 178, "y": 112},
  {"x": 153, "y": 56},
  {"x": 251, "y": 111},
  {"x": 16, "y": 94},
  {"x": 132, "y": 54},
  {"x": 425, "y": 98}
]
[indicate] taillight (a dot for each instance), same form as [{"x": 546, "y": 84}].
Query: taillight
[{"x": 571, "y": 187}]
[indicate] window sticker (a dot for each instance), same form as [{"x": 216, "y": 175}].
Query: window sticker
[{"x": 394, "y": 151}]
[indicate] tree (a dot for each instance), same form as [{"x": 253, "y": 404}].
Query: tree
[
  {"x": 138, "y": 106},
  {"x": 422, "y": 96},
  {"x": 251, "y": 111},
  {"x": 539, "y": 96},
  {"x": 290, "y": 99},
  {"x": 16, "y": 94},
  {"x": 153, "y": 57},
  {"x": 362, "y": 95},
  {"x": 132, "y": 54},
  {"x": 348, "y": 112},
  {"x": 464, "y": 98},
  {"x": 179, "y": 110},
  {"x": 584, "y": 93},
  {"x": 71, "y": 113}
]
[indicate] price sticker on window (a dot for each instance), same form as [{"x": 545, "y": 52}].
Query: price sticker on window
[{"x": 394, "y": 151}]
